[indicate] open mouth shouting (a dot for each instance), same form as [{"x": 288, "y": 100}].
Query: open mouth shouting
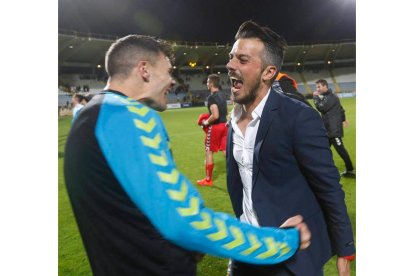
[{"x": 236, "y": 84}]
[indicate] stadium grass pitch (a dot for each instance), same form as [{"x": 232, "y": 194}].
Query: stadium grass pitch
[{"x": 187, "y": 145}]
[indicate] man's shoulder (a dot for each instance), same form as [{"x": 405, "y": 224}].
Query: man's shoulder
[
  {"x": 221, "y": 93},
  {"x": 291, "y": 103},
  {"x": 222, "y": 97},
  {"x": 216, "y": 97},
  {"x": 215, "y": 94},
  {"x": 290, "y": 109},
  {"x": 330, "y": 93},
  {"x": 115, "y": 106}
]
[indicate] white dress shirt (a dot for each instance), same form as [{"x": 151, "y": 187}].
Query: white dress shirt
[
  {"x": 243, "y": 150},
  {"x": 76, "y": 109}
]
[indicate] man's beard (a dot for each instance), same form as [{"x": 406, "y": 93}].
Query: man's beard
[{"x": 251, "y": 95}]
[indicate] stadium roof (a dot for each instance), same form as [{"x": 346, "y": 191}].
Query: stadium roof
[
  {"x": 80, "y": 50},
  {"x": 211, "y": 20}
]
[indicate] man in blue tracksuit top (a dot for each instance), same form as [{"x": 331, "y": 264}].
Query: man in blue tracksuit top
[{"x": 137, "y": 214}]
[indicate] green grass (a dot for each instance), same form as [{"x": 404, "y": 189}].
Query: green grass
[{"x": 187, "y": 144}]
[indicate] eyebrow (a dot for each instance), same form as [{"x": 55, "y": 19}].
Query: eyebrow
[{"x": 239, "y": 55}]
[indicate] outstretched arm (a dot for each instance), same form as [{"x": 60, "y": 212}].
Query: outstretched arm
[{"x": 135, "y": 144}]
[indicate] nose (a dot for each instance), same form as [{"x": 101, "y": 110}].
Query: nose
[
  {"x": 230, "y": 65},
  {"x": 173, "y": 81}
]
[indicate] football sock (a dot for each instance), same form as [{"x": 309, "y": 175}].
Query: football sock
[{"x": 209, "y": 171}]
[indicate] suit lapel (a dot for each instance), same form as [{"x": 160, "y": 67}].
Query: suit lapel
[
  {"x": 231, "y": 162},
  {"x": 268, "y": 115},
  {"x": 229, "y": 149}
]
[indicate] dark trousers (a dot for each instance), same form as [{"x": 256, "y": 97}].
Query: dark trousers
[
  {"x": 243, "y": 269},
  {"x": 343, "y": 153}
]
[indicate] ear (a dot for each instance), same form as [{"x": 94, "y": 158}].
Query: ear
[
  {"x": 269, "y": 73},
  {"x": 143, "y": 70}
]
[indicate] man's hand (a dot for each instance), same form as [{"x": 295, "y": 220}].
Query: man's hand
[
  {"x": 305, "y": 234},
  {"x": 345, "y": 123},
  {"x": 202, "y": 118},
  {"x": 343, "y": 266},
  {"x": 315, "y": 93}
]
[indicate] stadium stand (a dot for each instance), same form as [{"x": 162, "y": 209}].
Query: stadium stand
[
  {"x": 82, "y": 83},
  {"x": 81, "y": 59},
  {"x": 64, "y": 98}
]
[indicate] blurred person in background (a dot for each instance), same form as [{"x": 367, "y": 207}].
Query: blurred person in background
[
  {"x": 333, "y": 116},
  {"x": 87, "y": 98},
  {"x": 215, "y": 124},
  {"x": 287, "y": 85},
  {"x": 76, "y": 105}
]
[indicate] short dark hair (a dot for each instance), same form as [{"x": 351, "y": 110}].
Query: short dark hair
[
  {"x": 89, "y": 97},
  {"x": 78, "y": 97},
  {"x": 274, "y": 44},
  {"x": 323, "y": 82},
  {"x": 215, "y": 80},
  {"x": 122, "y": 55}
]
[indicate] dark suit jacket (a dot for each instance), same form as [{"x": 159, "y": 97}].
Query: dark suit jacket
[{"x": 294, "y": 173}]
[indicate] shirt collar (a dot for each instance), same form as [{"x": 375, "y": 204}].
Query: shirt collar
[
  {"x": 257, "y": 112},
  {"x": 236, "y": 112}
]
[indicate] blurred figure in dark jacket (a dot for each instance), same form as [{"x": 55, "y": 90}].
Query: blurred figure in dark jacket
[
  {"x": 287, "y": 85},
  {"x": 333, "y": 116}
]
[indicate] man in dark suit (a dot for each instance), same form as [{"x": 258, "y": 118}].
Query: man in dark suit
[{"x": 279, "y": 163}]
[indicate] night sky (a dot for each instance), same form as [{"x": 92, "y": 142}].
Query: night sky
[{"x": 211, "y": 20}]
